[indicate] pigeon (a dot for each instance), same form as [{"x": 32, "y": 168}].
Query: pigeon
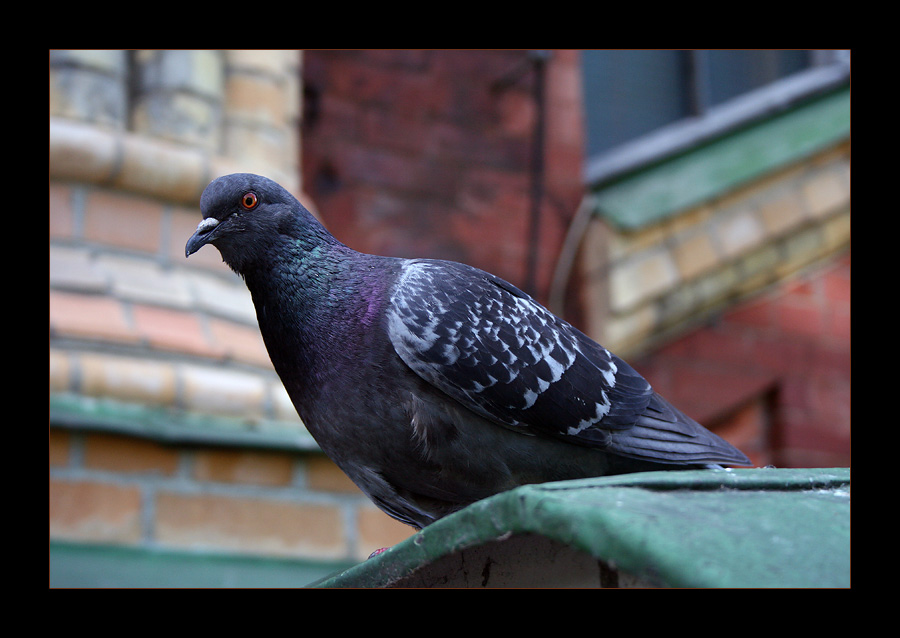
[{"x": 430, "y": 383}]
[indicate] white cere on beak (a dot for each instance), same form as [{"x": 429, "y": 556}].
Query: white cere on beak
[{"x": 207, "y": 224}]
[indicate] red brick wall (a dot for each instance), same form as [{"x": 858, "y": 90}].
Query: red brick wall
[
  {"x": 415, "y": 154},
  {"x": 772, "y": 374}
]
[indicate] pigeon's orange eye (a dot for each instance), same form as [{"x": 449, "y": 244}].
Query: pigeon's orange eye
[{"x": 249, "y": 200}]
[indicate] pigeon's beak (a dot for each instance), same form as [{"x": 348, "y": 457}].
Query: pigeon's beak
[{"x": 201, "y": 236}]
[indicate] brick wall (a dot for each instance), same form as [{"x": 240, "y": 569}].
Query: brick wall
[
  {"x": 168, "y": 425},
  {"x": 641, "y": 286},
  {"x": 123, "y": 490},
  {"x": 772, "y": 373},
  {"x": 738, "y": 310},
  {"x": 424, "y": 154}
]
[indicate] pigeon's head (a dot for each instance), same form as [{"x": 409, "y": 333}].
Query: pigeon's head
[{"x": 243, "y": 214}]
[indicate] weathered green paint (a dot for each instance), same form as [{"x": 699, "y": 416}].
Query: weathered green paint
[
  {"x": 729, "y": 528},
  {"x": 83, "y": 565},
  {"x": 726, "y": 163},
  {"x": 174, "y": 426},
  {"x": 737, "y": 528}
]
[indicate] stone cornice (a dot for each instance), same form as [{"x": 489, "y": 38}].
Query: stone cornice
[{"x": 136, "y": 163}]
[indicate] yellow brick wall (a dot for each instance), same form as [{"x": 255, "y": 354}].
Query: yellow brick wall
[
  {"x": 644, "y": 286},
  {"x": 116, "y": 489},
  {"x": 134, "y": 139}
]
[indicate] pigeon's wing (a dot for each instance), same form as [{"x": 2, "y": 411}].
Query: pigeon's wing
[{"x": 501, "y": 354}]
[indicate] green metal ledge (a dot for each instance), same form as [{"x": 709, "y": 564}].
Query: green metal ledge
[
  {"x": 173, "y": 426},
  {"x": 712, "y": 169},
  {"x": 719, "y": 528},
  {"x": 81, "y": 565}
]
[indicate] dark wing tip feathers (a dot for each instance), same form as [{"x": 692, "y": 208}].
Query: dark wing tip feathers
[{"x": 664, "y": 434}]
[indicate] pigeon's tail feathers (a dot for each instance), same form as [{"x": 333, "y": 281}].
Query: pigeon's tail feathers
[
  {"x": 403, "y": 511},
  {"x": 663, "y": 434},
  {"x": 397, "y": 503}
]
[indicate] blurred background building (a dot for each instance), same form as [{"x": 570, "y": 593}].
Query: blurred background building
[{"x": 688, "y": 209}]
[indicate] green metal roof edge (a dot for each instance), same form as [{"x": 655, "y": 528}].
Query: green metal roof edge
[
  {"x": 712, "y": 169},
  {"x": 170, "y": 425},
  {"x": 98, "y": 565},
  {"x": 730, "y": 528}
]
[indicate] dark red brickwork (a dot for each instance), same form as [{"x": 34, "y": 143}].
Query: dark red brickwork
[
  {"x": 420, "y": 154},
  {"x": 773, "y": 373}
]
